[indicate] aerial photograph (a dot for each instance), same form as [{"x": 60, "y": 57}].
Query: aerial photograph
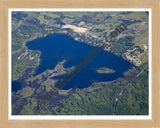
[{"x": 79, "y": 63}]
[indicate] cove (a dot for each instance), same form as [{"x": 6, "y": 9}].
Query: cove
[
  {"x": 16, "y": 86},
  {"x": 58, "y": 47}
]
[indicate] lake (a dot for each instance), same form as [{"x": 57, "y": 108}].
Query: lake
[{"x": 58, "y": 47}]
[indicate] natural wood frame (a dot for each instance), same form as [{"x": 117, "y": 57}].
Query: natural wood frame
[{"x": 4, "y": 8}]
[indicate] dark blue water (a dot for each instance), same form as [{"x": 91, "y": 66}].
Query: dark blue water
[
  {"x": 16, "y": 86},
  {"x": 57, "y": 47},
  {"x": 61, "y": 23}
]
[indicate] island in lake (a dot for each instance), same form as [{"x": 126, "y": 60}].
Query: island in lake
[{"x": 105, "y": 70}]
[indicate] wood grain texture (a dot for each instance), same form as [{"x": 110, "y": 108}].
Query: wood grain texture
[{"x": 153, "y": 4}]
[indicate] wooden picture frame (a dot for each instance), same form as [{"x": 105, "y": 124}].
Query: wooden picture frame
[{"x": 5, "y": 122}]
